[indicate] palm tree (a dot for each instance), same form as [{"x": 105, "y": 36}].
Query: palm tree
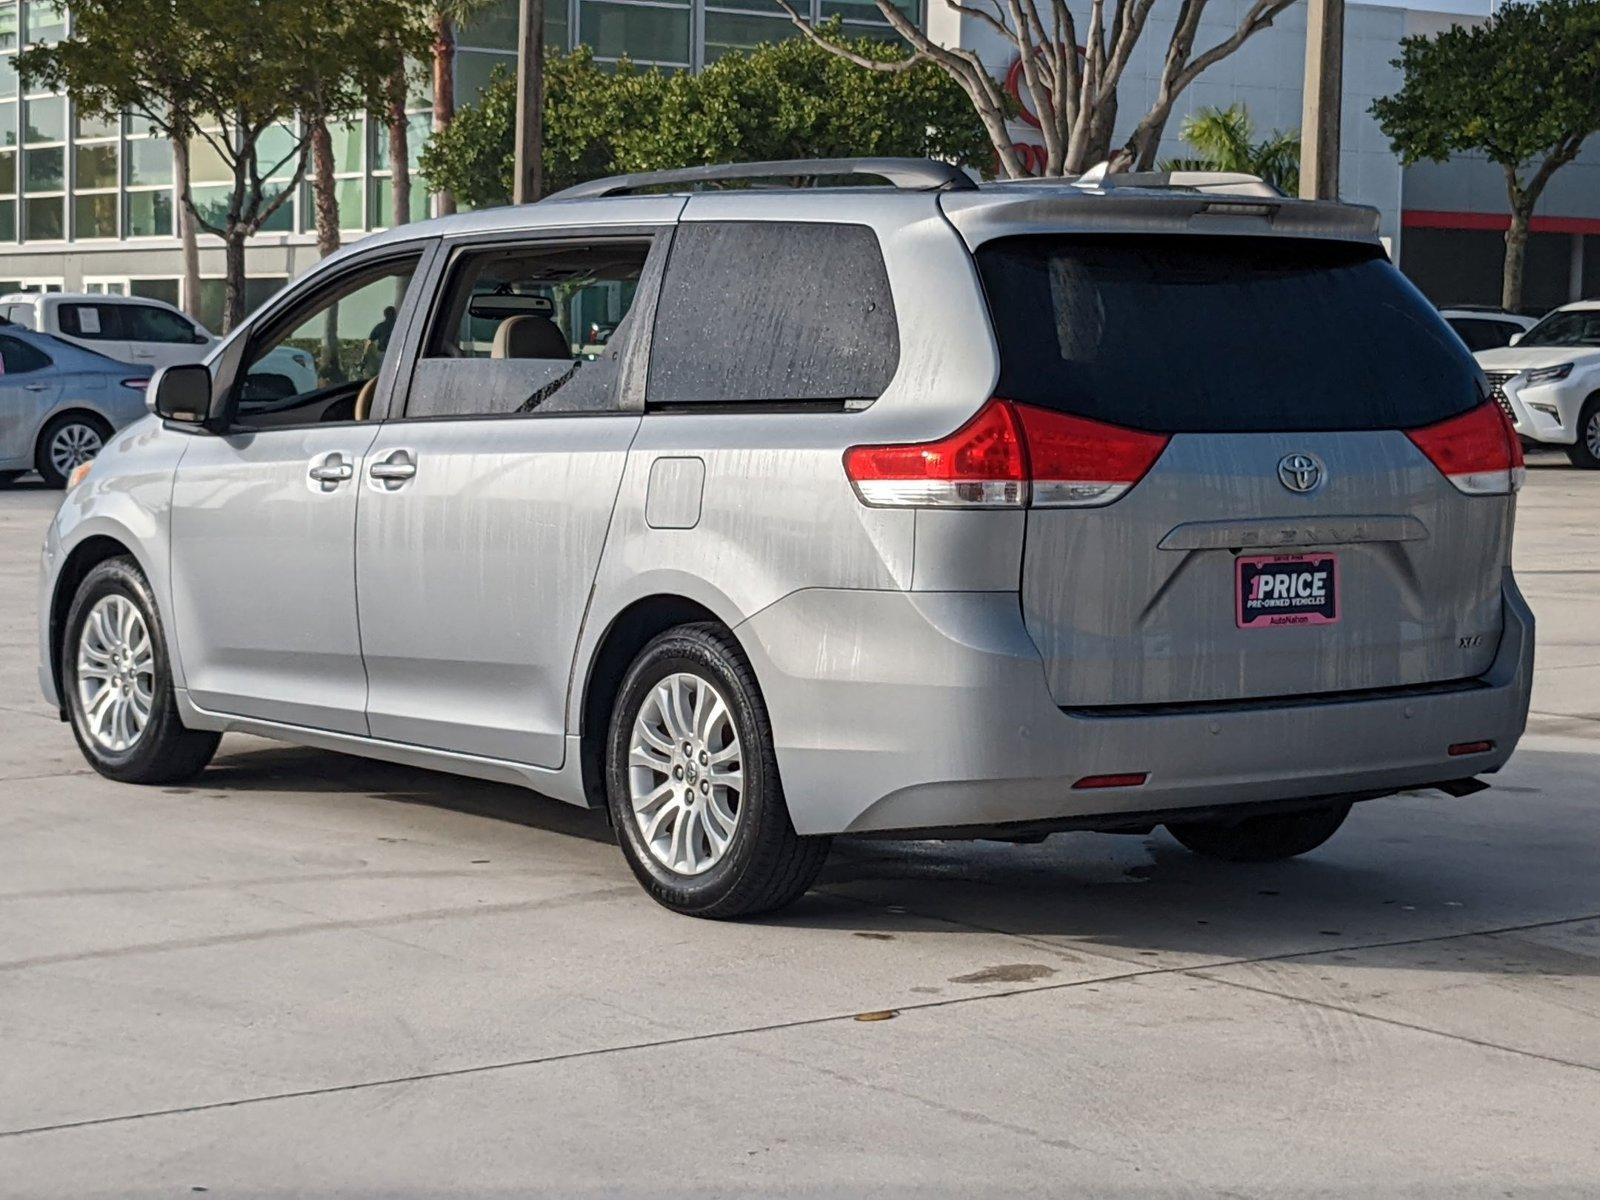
[
  {"x": 446, "y": 16},
  {"x": 1223, "y": 138}
]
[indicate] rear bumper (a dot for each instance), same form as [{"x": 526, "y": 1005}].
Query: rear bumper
[{"x": 906, "y": 711}]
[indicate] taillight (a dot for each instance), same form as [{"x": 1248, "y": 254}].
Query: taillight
[
  {"x": 1478, "y": 451},
  {"x": 981, "y": 465},
  {"x": 1079, "y": 463},
  {"x": 1006, "y": 457}
]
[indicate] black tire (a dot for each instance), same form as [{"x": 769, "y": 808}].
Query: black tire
[
  {"x": 42, "y": 459},
  {"x": 1581, "y": 454},
  {"x": 1267, "y": 838},
  {"x": 164, "y": 751},
  {"x": 766, "y": 864}
]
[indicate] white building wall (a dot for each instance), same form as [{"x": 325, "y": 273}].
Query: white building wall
[{"x": 1265, "y": 75}]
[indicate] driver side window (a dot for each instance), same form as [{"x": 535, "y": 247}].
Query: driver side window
[{"x": 321, "y": 362}]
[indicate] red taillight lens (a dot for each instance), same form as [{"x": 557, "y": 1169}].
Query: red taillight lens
[
  {"x": 981, "y": 465},
  {"x": 1077, "y": 462},
  {"x": 1004, "y": 457},
  {"x": 1478, "y": 451}
]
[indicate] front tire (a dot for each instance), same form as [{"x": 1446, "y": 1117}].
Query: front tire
[
  {"x": 692, "y": 782},
  {"x": 1586, "y": 453},
  {"x": 68, "y": 441},
  {"x": 1270, "y": 837},
  {"x": 116, "y": 675}
]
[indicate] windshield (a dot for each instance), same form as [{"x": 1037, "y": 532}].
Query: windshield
[
  {"x": 1178, "y": 334},
  {"x": 1577, "y": 327}
]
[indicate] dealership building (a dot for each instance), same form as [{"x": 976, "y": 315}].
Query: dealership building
[{"x": 89, "y": 205}]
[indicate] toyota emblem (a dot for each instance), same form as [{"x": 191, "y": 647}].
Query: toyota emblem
[{"x": 1300, "y": 472}]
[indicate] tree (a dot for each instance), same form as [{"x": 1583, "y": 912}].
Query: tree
[
  {"x": 445, "y": 17},
  {"x": 222, "y": 73},
  {"x": 351, "y": 52},
  {"x": 790, "y": 100},
  {"x": 1522, "y": 89},
  {"x": 1224, "y": 141},
  {"x": 1070, "y": 75}
]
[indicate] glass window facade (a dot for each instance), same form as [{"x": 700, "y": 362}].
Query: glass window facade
[{"x": 674, "y": 34}]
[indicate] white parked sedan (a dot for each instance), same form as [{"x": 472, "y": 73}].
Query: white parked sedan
[
  {"x": 1548, "y": 381},
  {"x": 144, "y": 332}
]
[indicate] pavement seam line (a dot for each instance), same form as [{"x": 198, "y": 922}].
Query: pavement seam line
[
  {"x": 1202, "y": 973},
  {"x": 781, "y": 1026}
]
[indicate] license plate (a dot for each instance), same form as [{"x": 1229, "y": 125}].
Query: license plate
[{"x": 1287, "y": 589}]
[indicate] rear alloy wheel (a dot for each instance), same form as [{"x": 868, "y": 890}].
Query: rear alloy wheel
[
  {"x": 116, "y": 679},
  {"x": 68, "y": 442},
  {"x": 692, "y": 782},
  {"x": 1267, "y": 838},
  {"x": 1586, "y": 453}
]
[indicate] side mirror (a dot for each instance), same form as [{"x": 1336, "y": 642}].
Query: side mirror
[
  {"x": 181, "y": 393},
  {"x": 1515, "y": 338}
]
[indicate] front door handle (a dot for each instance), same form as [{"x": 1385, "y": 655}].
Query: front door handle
[
  {"x": 393, "y": 471},
  {"x": 331, "y": 470},
  {"x": 37, "y": 387}
]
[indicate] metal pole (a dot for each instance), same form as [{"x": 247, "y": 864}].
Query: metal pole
[
  {"x": 529, "y": 177},
  {"x": 1324, "y": 93}
]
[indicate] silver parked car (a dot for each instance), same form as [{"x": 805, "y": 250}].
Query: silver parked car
[
  {"x": 59, "y": 403},
  {"x": 927, "y": 509}
]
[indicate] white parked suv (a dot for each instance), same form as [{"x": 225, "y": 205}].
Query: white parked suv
[
  {"x": 132, "y": 329},
  {"x": 1548, "y": 381}
]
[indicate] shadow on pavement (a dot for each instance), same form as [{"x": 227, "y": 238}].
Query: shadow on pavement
[{"x": 1408, "y": 869}]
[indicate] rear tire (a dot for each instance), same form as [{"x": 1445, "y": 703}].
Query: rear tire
[
  {"x": 68, "y": 441},
  {"x": 1267, "y": 838},
  {"x": 116, "y": 676},
  {"x": 692, "y": 782},
  {"x": 1586, "y": 453}
]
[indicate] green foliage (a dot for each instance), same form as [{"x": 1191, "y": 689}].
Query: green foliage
[
  {"x": 1223, "y": 139},
  {"x": 1523, "y": 84},
  {"x": 789, "y": 100}
]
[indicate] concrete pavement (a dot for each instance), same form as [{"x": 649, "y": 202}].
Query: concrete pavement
[{"x": 313, "y": 975}]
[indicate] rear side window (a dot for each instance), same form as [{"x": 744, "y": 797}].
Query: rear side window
[
  {"x": 1483, "y": 335},
  {"x": 1220, "y": 335},
  {"x": 18, "y": 358},
  {"x": 769, "y": 312},
  {"x": 147, "y": 323},
  {"x": 92, "y": 322}
]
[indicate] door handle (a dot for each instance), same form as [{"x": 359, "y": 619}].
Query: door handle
[
  {"x": 392, "y": 472},
  {"x": 331, "y": 471},
  {"x": 36, "y": 387}
]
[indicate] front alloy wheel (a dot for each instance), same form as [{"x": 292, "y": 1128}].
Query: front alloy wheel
[
  {"x": 1586, "y": 453},
  {"x": 116, "y": 673},
  {"x": 116, "y": 679}
]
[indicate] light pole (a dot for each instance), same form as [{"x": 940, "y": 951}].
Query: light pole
[
  {"x": 529, "y": 178},
  {"x": 1324, "y": 93}
]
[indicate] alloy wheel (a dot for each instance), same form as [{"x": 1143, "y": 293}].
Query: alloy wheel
[
  {"x": 116, "y": 673},
  {"x": 685, "y": 774},
  {"x": 72, "y": 446},
  {"x": 1591, "y": 433}
]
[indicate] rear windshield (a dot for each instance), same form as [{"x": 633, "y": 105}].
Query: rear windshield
[{"x": 1220, "y": 334}]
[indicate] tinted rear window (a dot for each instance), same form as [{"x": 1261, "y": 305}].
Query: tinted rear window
[
  {"x": 773, "y": 312},
  {"x": 1220, "y": 335}
]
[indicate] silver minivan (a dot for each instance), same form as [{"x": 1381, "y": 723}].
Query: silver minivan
[{"x": 926, "y": 509}]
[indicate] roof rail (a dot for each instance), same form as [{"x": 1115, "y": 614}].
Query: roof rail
[{"x": 911, "y": 173}]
